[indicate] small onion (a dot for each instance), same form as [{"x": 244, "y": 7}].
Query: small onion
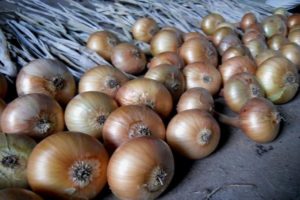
[
  {"x": 170, "y": 76},
  {"x": 198, "y": 50},
  {"x": 103, "y": 43},
  {"x": 294, "y": 36},
  {"x": 143, "y": 91},
  {"x": 128, "y": 58},
  {"x": 3, "y": 86},
  {"x": 239, "y": 89},
  {"x": 17, "y": 194},
  {"x": 193, "y": 133},
  {"x": 46, "y": 76},
  {"x": 142, "y": 168},
  {"x": 2, "y": 106},
  {"x": 202, "y": 75},
  {"x": 256, "y": 47},
  {"x": 88, "y": 111},
  {"x": 14, "y": 153},
  {"x": 227, "y": 42},
  {"x": 102, "y": 78},
  {"x": 279, "y": 78},
  {"x": 293, "y": 20},
  {"x": 131, "y": 121},
  {"x": 265, "y": 55},
  {"x": 170, "y": 58},
  {"x": 220, "y": 33},
  {"x": 277, "y": 41},
  {"x": 234, "y": 52},
  {"x": 210, "y": 22},
  {"x": 237, "y": 65},
  {"x": 247, "y": 20},
  {"x": 292, "y": 52},
  {"x": 68, "y": 165},
  {"x": 251, "y": 35},
  {"x": 274, "y": 24},
  {"x": 192, "y": 35},
  {"x": 144, "y": 29},
  {"x": 36, "y": 115},
  {"x": 196, "y": 98}
]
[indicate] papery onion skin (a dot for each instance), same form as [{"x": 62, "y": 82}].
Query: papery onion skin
[
  {"x": 251, "y": 35},
  {"x": 274, "y": 25},
  {"x": 103, "y": 43},
  {"x": 260, "y": 120},
  {"x": 196, "y": 98},
  {"x": 294, "y": 36},
  {"x": 210, "y": 22},
  {"x": 220, "y": 33},
  {"x": 17, "y": 194},
  {"x": 46, "y": 76},
  {"x": 143, "y": 91},
  {"x": 293, "y": 20},
  {"x": 193, "y": 133},
  {"x": 239, "y": 89},
  {"x": 170, "y": 58},
  {"x": 256, "y": 46},
  {"x": 2, "y": 106},
  {"x": 234, "y": 52},
  {"x": 265, "y": 55},
  {"x": 202, "y": 75},
  {"x": 103, "y": 78},
  {"x": 140, "y": 169},
  {"x": 247, "y": 20},
  {"x": 3, "y": 86},
  {"x": 277, "y": 41},
  {"x": 68, "y": 165},
  {"x": 35, "y": 115},
  {"x": 192, "y": 35},
  {"x": 170, "y": 76},
  {"x": 144, "y": 29},
  {"x": 279, "y": 78},
  {"x": 131, "y": 121},
  {"x": 88, "y": 111},
  {"x": 14, "y": 153},
  {"x": 228, "y": 41},
  {"x": 292, "y": 52}
]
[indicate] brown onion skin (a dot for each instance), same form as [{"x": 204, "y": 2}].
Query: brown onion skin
[
  {"x": 144, "y": 29},
  {"x": 247, "y": 20},
  {"x": 220, "y": 33},
  {"x": 193, "y": 133},
  {"x": 103, "y": 43},
  {"x": 294, "y": 28},
  {"x": 274, "y": 24},
  {"x": 46, "y": 76},
  {"x": 52, "y": 165},
  {"x": 210, "y": 22},
  {"x": 166, "y": 58},
  {"x": 228, "y": 41},
  {"x": 252, "y": 35},
  {"x": 2, "y": 106},
  {"x": 293, "y": 20},
  {"x": 277, "y": 41},
  {"x": 237, "y": 65},
  {"x": 35, "y": 115},
  {"x": 3, "y": 86},
  {"x": 198, "y": 50},
  {"x": 131, "y": 121},
  {"x": 128, "y": 58},
  {"x": 192, "y": 35},
  {"x": 255, "y": 27},
  {"x": 203, "y": 75},
  {"x": 292, "y": 52},
  {"x": 142, "y": 168},
  {"x": 196, "y": 98},
  {"x": 18, "y": 193},
  {"x": 143, "y": 91},
  {"x": 103, "y": 78},
  {"x": 294, "y": 36},
  {"x": 234, "y": 52},
  {"x": 256, "y": 46},
  {"x": 265, "y": 55}
]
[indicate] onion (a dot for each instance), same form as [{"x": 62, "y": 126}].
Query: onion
[
  {"x": 281, "y": 11},
  {"x": 68, "y": 165},
  {"x": 293, "y": 20},
  {"x": 144, "y": 29},
  {"x": 88, "y": 111},
  {"x": 170, "y": 58},
  {"x": 234, "y": 52},
  {"x": 36, "y": 115},
  {"x": 210, "y": 22},
  {"x": 237, "y": 65},
  {"x": 274, "y": 24},
  {"x": 277, "y": 41},
  {"x": 131, "y": 121},
  {"x": 192, "y": 35},
  {"x": 102, "y": 78},
  {"x": 265, "y": 55},
  {"x": 14, "y": 153},
  {"x": 256, "y": 47},
  {"x": 292, "y": 52},
  {"x": 257, "y": 27},
  {"x": 143, "y": 91},
  {"x": 258, "y": 119},
  {"x": 142, "y": 168},
  {"x": 196, "y": 98},
  {"x": 279, "y": 78},
  {"x": 193, "y": 133},
  {"x": 18, "y": 193},
  {"x": 239, "y": 89},
  {"x": 247, "y": 20},
  {"x": 294, "y": 28},
  {"x": 3, "y": 86},
  {"x": 294, "y": 36},
  {"x": 227, "y": 42},
  {"x": 252, "y": 35},
  {"x": 202, "y": 75},
  {"x": 49, "y": 77},
  {"x": 220, "y": 33},
  {"x": 128, "y": 58},
  {"x": 170, "y": 76},
  {"x": 226, "y": 24},
  {"x": 2, "y": 106},
  {"x": 103, "y": 43}
]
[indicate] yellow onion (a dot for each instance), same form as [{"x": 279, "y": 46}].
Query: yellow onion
[
  {"x": 144, "y": 29},
  {"x": 14, "y": 154},
  {"x": 247, "y": 20},
  {"x": 256, "y": 47},
  {"x": 128, "y": 58},
  {"x": 3, "y": 86},
  {"x": 279, "y": 78},
  {"x": 46, "y": 76},
  {"x": 237, "y": 65},
  {"x": 228, "y": 41},
  {"x": 293, "y": 20},
  {"x": 294, "y": 36},
  {"x": 265, "y": 55},
  {"x": 36, "y": 115},
  {"x": 274, "y": 24},
  {"x": 143, "y": 91},
  {"x": 2, "y": 106},
  {"x": 170, "y": 76},
  {"x": 234, "y": 52},
  {"x": 170, "y": 58},
  {"x": 239, "y": 89},
  {"x": 277, "y": 41},
  {"x": 210, "y": 22},
  {"x": 220, "y": 33},
  {"x": 103, "y": 43},
  {"x": 292, "y": 52},
  {"x": 193, "y": 133},
  {"x": 102, "y": 78},
  {"x": 68, "y": 165},
  {"x": 129, "y": 122},
  {"x": 142, "y": 168},
  {"x": 196, "y": 98},
  {"x": 88, "y": 111},
  {"x": 202, "y": 75},
  {"x": 17, "y": 194}
]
